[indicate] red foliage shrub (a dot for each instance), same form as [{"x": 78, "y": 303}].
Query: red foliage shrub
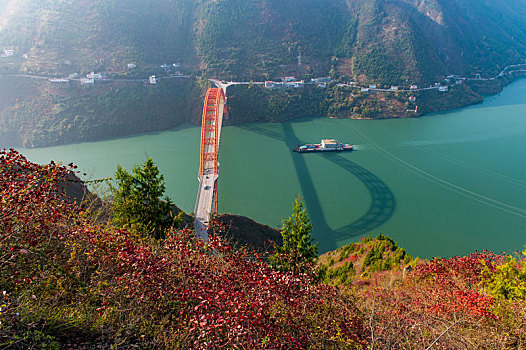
[
  {"x": 451, "y": 286},
  {"x": 111, "y": 286},
  {"x": 440, "y": 303}
]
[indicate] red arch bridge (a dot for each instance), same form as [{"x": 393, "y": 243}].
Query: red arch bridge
[{"x": 213, "y": 111}]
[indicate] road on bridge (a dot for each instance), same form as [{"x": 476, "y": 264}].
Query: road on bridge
[{"x": 206, "y": 202}]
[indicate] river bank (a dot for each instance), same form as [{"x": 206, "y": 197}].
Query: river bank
[{"x": 35, "y": 114}]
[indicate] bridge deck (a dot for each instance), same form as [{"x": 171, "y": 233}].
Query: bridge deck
[
  {"x": 204, "y": 204},
  {"x": 208, "y": 172}
]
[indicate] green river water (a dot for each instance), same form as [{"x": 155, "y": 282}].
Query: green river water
[{"x": 441, "y": 185}]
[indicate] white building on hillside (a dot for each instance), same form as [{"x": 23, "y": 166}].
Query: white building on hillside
[
  {"x": 87, "y": 81},
  {"x": 7, "y": 53}
]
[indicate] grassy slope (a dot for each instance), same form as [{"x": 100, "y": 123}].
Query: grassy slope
[
  {"x": 444, "y": 303},
  {"x": 355, "y": 263}
]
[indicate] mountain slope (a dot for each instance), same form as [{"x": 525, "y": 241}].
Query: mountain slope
[
  {"x": 386, "y": 41},
  {"x": 383, "y": 42},
  {"x": 472, "y": 36},
  {"x": 261, "y": 37},
  {"x": 94, "y": 35}
]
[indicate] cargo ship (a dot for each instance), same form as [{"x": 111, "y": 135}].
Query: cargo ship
[{"x": 324, "y": 146}]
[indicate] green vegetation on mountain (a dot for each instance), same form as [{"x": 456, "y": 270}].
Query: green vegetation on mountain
[
  {"x": 397, "y": 42},
  {"x": 389, "y": 42},
  {"x": 262, "y": 39},
  {"x": 444, "y": 303},
  {"x": 64, "y": 36},
  {"x": 253, "y": 103},
  {"x": 47, "y": 116},
  {"x": 361, "y": 260},
  {"x": 137, "y": 200},
  {"x": 298, "y": 252}
]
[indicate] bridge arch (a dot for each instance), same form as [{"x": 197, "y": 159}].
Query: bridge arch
[{"x": 213, "y": 111}]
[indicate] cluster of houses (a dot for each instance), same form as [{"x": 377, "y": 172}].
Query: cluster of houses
[
  {"x": 87, "y": 81},
  {"x": 292, "y": 83},
  {"x": 457, "y": 80},
  {"x": 373, "y": 87},
  {"x": 172, "y": 69},
  {"x": 92, "y": 77},
  {"x": 7, "y": 53},
  {"x": 439, "y": 87},
  {"x": 287, "y": 82},
  {"x": 414, "y": 87},
  {"x": 395, "y": 88}
]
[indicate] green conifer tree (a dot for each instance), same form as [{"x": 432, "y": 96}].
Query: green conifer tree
[
  {"x": 137, "y": 200},
  {"x": 298, "y": 251}
]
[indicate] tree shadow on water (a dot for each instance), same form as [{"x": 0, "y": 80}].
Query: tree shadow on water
[{"x": 381, "y": 208}]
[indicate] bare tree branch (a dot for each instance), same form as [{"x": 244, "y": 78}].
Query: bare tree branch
[{"x": 443, "y": 333}]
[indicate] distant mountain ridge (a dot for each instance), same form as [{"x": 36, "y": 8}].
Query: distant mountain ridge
[{"x": 384, "y": 41}]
